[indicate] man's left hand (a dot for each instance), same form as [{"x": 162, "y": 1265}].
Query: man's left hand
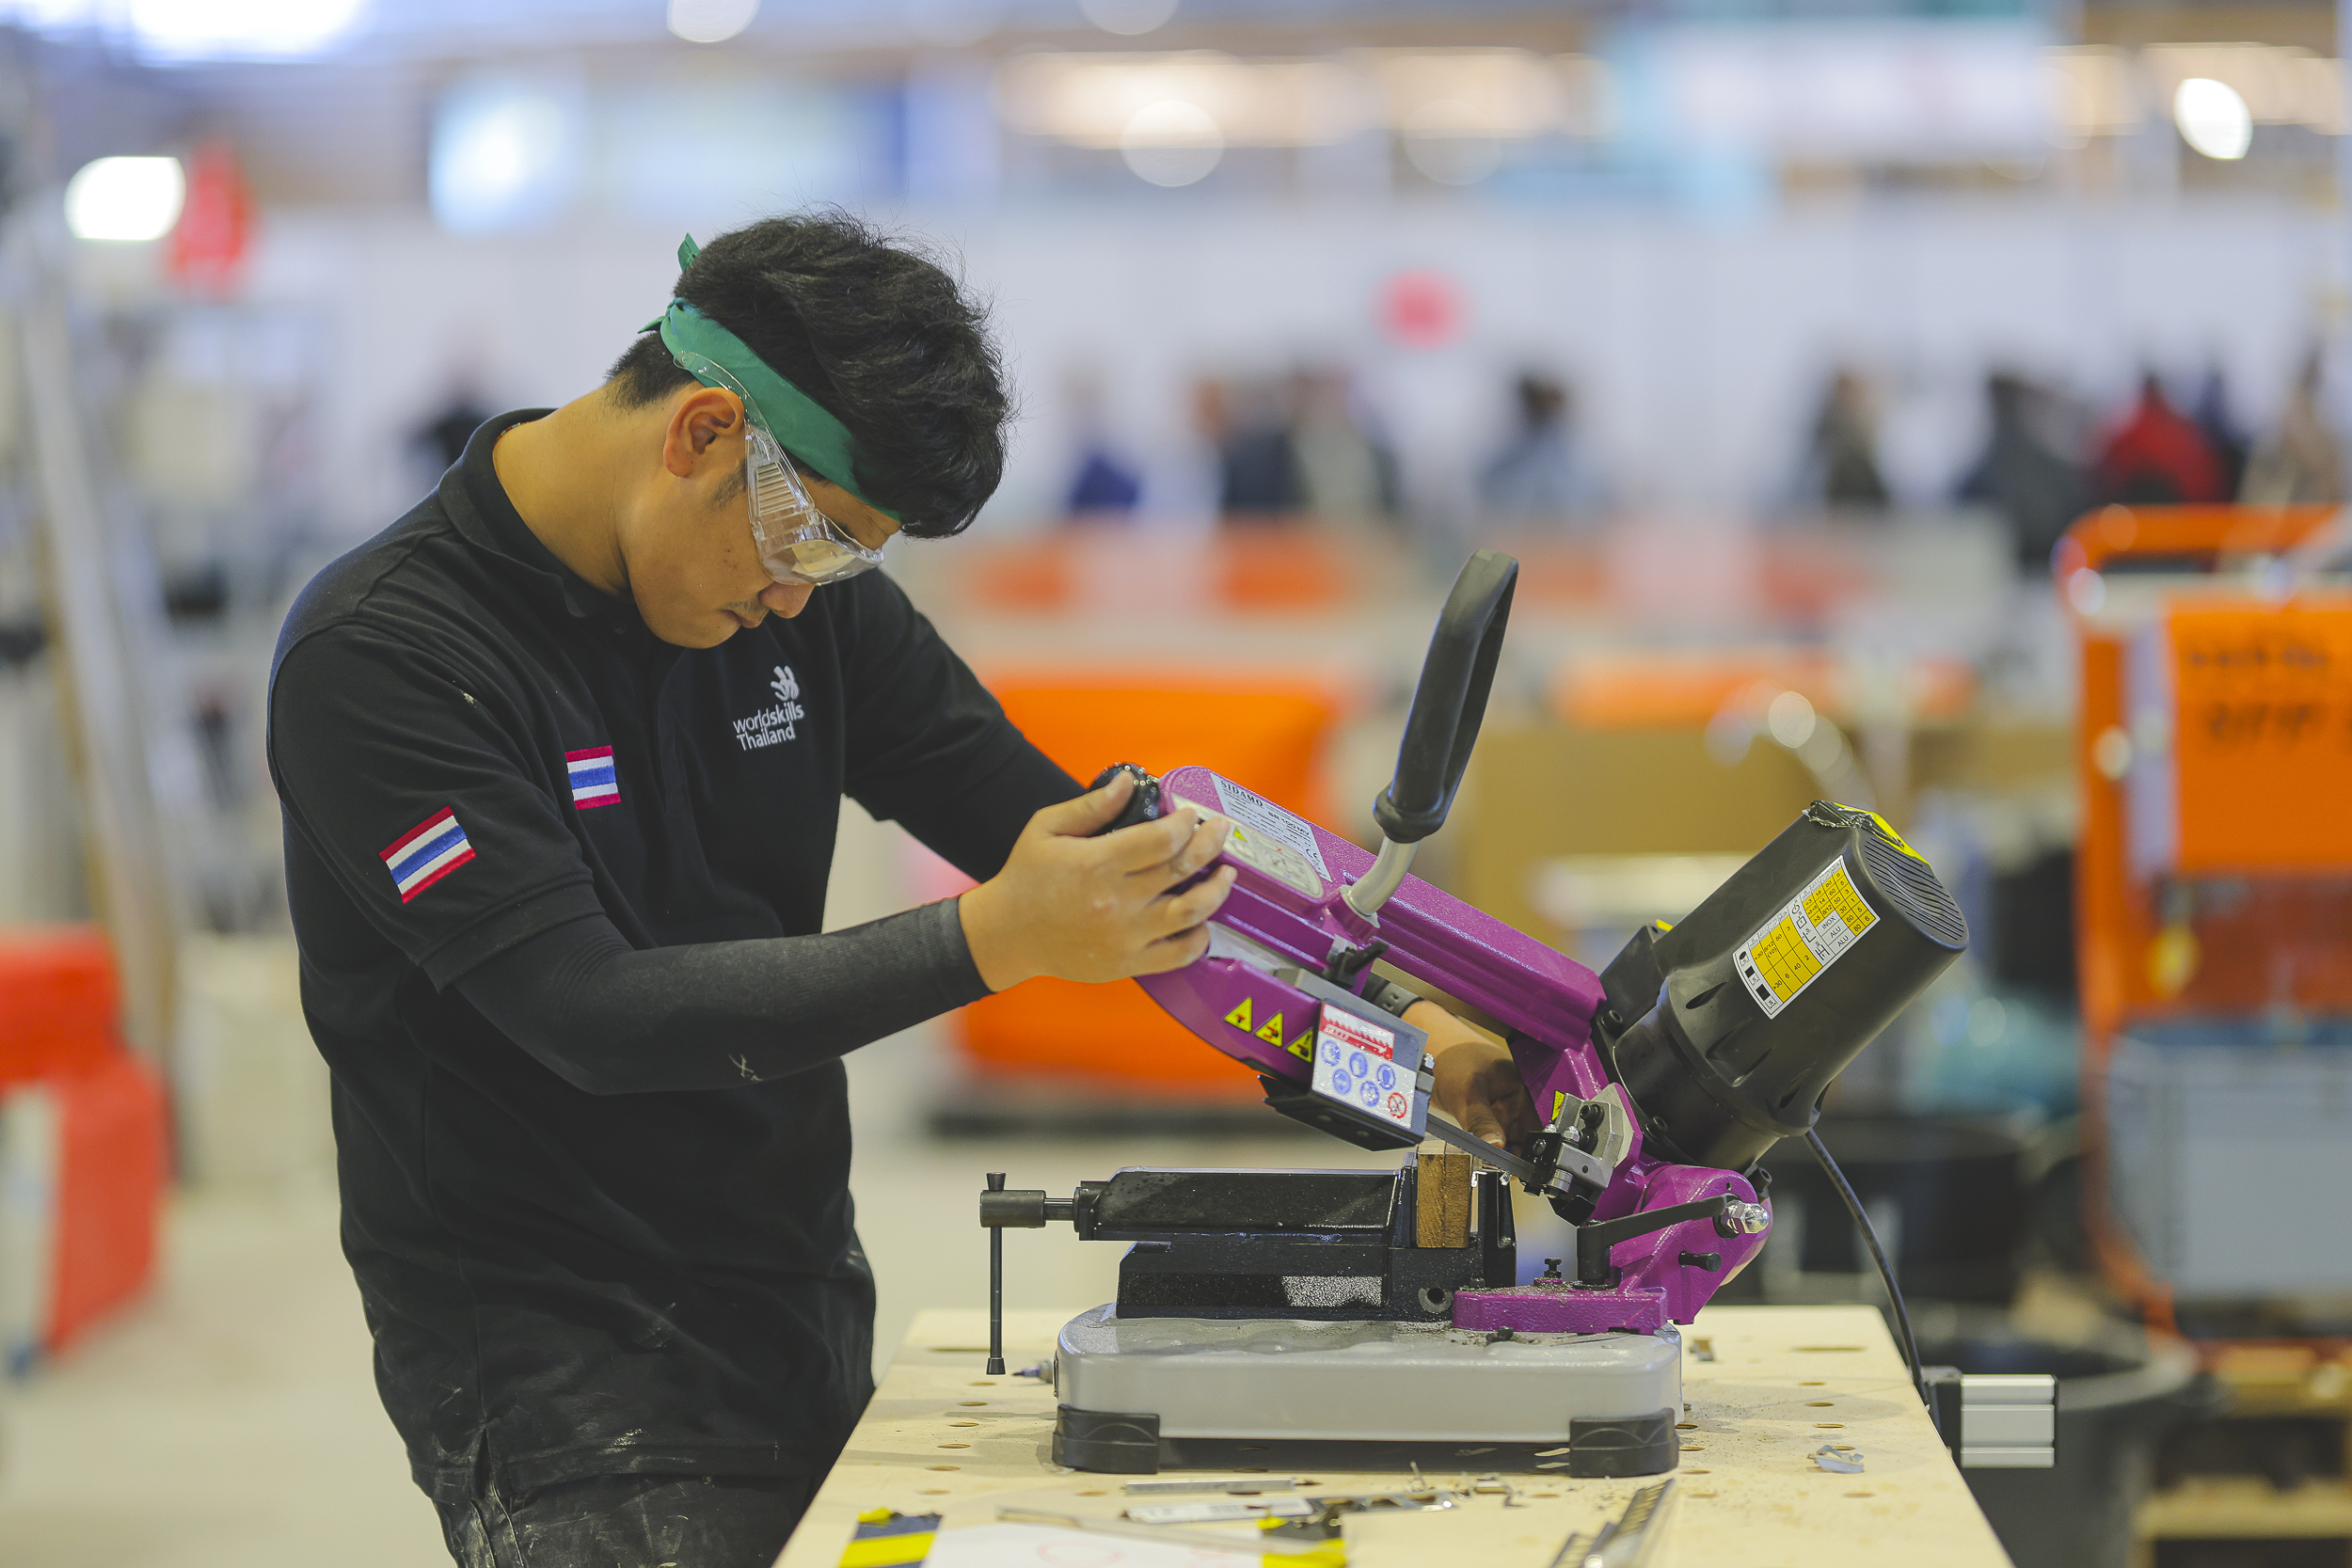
[{"x": 1478, "y": 1083}]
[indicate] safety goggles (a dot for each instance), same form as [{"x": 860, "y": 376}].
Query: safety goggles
[{"x": 797, "y": 543}]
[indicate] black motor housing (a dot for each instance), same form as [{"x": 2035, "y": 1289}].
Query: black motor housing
[{"x": 1725, "y": 1030}]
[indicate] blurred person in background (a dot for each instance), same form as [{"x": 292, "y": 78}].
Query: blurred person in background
[
  {"x": 1346, "y": 475},
  {"x": 1105, "y": 486},
  {"x": 1180, "y": 469},
  {"x": 560, "y": 755},
  {"x": 2302, "y": 461},
  {"x": 2157, "y": 456},
  {"x": 442, "y": 437},
  {"x": 1540, "y": 475},
  {"x": 1258, "y": 462},
  {"x": 1841, "y": 468},
  {"x": 2037, "y": 492},
  {"x": 439, "y": 438},
  {"x": 2218, "y": 422}
]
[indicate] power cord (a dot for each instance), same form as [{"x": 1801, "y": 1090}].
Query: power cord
[{"x": 1878, "y": 1256}]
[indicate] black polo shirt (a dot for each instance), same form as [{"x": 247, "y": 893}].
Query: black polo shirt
[{"x": 473, "y": 747}]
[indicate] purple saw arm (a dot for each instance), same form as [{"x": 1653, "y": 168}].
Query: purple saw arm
[
  {"x": 1285, "y": 988},
  {"x": 1286, "y": 914}
]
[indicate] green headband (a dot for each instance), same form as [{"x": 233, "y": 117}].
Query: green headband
[{"x": 791, "y": 416}]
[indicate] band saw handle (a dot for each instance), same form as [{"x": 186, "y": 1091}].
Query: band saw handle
[{"x": 1450, "y": 702}]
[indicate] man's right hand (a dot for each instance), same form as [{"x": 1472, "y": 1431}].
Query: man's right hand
[{"x": 1097, "y": 909}]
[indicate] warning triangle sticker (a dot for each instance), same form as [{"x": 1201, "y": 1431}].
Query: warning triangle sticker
[
  {"x": 1272, "y": 1033},
  {"x": 1239, "y": 1017},
  {"x": 1303, "y": 1047}
]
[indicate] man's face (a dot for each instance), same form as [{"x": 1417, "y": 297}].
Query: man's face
[{"x": 693, "y": 568}]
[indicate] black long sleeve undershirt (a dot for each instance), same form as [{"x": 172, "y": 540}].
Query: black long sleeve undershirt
[{"x": 613, "y": 1019}]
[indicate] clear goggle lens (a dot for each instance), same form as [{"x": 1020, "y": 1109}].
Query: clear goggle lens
[{"x": 797, "y": 543}]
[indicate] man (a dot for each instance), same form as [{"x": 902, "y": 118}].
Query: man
[
  {"x": 2035, "y": 491},
  {"x": 1541, "y": 475},
  {"x": 2157, "y": 456},
  {"x": 561, "y": 754}
]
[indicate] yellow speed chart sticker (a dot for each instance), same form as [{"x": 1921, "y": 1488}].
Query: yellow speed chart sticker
[{"x": 1812, "y": 932}]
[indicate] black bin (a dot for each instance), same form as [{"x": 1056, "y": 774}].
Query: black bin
[{"x": 2119, "y": 1396}]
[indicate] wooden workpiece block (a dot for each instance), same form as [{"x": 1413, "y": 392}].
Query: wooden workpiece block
[
  {"x": 941, "y": 1436},
  {"x": 1441, "y": 1194}
]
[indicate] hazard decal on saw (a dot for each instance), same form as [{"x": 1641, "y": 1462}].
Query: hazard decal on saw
[{"x": 1244, "y": 1017}]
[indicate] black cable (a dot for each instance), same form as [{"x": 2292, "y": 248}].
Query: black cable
[{"x": 1878, "y": 1256}]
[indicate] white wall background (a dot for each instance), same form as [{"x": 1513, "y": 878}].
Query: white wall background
[{"x": 1697, "y": 352}]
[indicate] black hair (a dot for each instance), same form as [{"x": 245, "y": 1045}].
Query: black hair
[{"x": 878, "y": 334}]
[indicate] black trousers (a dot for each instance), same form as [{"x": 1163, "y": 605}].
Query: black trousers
[{"x": 630, "y": 1522}]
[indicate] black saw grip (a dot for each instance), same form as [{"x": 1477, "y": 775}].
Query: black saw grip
[{"x": 1450, "y": 702}]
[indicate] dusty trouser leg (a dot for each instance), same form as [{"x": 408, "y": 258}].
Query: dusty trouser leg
[
  {"x": 630, "y": 1522},
  {"x": 467, "y": 1534}
]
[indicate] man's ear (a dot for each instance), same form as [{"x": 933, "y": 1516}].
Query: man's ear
[{"x": 705, "y": 427}]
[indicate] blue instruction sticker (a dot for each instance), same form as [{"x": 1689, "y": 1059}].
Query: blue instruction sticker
[{"x": 1356, "y": 1064}]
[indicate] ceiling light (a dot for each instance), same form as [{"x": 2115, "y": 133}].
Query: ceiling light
[
  {"x": 1445, "y": 138},
  {"x": 505, "y": 154},
  {"x": 1088, "y": 98},
  {"x": 2213, "y": 118},
  {"x": 2315, "y": 88},
  {"x": 1490, "y": 92},
  {"x": 230, "y": 29},
  {"x": 1791, "y": 719},
  {"x": 2087, "y": 92},
  {"x": 1172, "y": 142},
  {"x": 1129, "y": 17},
  {"x": 710, "y": 20},
  {"x": 125, "y": 198}
]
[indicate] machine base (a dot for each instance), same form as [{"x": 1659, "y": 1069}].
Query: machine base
[
  {"x": 1600, "y": 1447},
  {"x": 1138, "y": 1395}
]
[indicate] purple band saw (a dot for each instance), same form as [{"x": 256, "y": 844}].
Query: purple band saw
[{"x": 1296, "y": 1311}]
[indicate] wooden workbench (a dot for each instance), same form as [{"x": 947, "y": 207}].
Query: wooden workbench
[{"x": 944, "y": 1437}]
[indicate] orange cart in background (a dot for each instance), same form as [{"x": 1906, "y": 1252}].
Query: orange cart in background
[
  {"x": 2215, "y": 868},
  {"x": 85, "y": 1143}
]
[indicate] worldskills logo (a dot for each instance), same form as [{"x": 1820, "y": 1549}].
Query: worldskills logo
[{"x": 774, "y": 726}]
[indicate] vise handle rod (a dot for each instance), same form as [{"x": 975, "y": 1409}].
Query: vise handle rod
[
  {"x": 1594, "y": 1270},
  {"x": 1024, "y": 1209}
]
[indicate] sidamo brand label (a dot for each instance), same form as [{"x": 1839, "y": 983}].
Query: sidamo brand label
[{"x": 1254, "y": 811}]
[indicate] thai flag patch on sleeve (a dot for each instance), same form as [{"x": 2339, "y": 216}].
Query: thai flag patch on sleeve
[
  {"x": 426, "y": 853},
  {"x": 593, "y": 781}
]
